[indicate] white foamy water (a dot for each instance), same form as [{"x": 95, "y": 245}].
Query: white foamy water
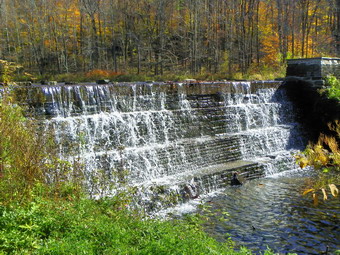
[{"x": 172, "y": 135}]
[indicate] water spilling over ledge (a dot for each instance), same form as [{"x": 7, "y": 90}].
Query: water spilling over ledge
[{"x": 174, "y": 141}]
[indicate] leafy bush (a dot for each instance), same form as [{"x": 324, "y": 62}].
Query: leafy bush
[
  {"x": 29, "y": 159},
  {"x": 21, "y": 158},
  {"x": 7, "y": 69},
  {"x": 333, "y": 90},
  {"x": 98, "y": 74},
  {"x": 325, "y": 154}
]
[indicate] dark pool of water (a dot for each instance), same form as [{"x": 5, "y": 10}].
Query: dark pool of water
[{"x": 271, "y": 212}]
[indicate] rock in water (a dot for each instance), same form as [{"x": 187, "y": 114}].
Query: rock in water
[{"x": 234, "y": 180}]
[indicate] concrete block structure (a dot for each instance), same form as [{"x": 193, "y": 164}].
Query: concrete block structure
[{"x": 313, "y": 68}]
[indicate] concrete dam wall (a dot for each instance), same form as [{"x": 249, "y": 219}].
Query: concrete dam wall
[
  {"x": 304, "y": 83},
  {"x": 173, "y": 142}
]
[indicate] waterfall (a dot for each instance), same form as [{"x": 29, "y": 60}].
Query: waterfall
[{"x": 174, "y": 140}]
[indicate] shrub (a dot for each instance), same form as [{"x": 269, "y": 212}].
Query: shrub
[
  {"x": 21, "y": 158},
  {"x": 333, "y": 90},
  {"x": 99, "y": 74},
  {"x": 29, "y": 159},
  {"x": 7, "y": 69}
]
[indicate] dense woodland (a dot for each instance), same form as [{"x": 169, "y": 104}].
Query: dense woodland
[{"x": 159, "y": 36}]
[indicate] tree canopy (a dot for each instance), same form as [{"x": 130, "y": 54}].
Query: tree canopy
[{"x": 155, "y": 36}]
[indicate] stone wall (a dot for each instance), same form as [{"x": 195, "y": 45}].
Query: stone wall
[
  {"x": 171, "y": 141},
  {"x": 304, "y": 79},
  {"x": 315, "y": 111},
  {"x": 313, "y": 68}
]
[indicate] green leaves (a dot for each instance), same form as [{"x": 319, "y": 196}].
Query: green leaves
[
  {"x": 6, "y": 71},
  {"x": 333, "y": 91},
  {"x": 98, "y": 227}
]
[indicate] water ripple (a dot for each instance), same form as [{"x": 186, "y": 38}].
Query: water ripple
[{"x": 272, "y": 213}]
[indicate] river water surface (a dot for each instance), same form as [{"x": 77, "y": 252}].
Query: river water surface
[{"x": 271, "y": 212}]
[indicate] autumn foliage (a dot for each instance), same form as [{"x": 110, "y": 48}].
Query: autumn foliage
[
  {"x": 323, "y": 156},
  {"x": 99, "y": 74},
  {"x": 165, "y": 36}
]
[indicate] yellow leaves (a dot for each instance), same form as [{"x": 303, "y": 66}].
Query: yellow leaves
[
  {"x": 7, "y": 69},
  {"x": 47, "y": 43},
  {"x": 334, "y": 190},
  {"x": 335, "y": 127},
  {"x": 271, "y": 48},
  {"x": 317, "y": 156},
  {"x": 307, "y": 191},
  {"x": 101, "y": 74},
  {"x": 332, "y": 143},
  {"x": 324, "y": 194},
  {"x": 22, "y": 21},
  {"x": 323, "y": 159},
  {"x": 28, "y": 74},
  {"x": 76, "y": 12},
  {"x": 315, "y": 199},
  {"x": 303, "y": 162},
  {"x": 336, "y": 160}
]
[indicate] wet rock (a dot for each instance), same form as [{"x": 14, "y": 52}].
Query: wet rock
[
  {"x": 105, "y": 81},
  {"x": 191, "y": 190},
  {"x": 24, "y": 83},
  {"x": 50, "y": 83},
  {"x": 235, "y": 181}
]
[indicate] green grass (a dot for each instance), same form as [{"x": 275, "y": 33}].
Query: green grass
[{"x": 98, "y": 227}]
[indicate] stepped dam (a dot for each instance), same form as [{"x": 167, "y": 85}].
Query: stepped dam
[{"x": 171, "y": 141}]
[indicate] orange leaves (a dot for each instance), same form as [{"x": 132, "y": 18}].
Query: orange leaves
[
  {"x": 307, "y": 191},
  {"x": 99, "y": 73},
  {"x": 269, "y": 36},
  {"x": 255, "y": 35},
  {"x": 270, "y": 47},
  {"x": 47, "y": 43}
]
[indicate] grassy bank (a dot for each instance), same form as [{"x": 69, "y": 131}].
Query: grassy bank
[{"x": 98, "y": 227}]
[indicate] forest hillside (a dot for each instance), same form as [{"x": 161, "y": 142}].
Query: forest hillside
[{"x": 160, "y": 36}]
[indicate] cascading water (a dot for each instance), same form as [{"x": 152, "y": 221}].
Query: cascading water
[
  {"x": 181, "y": 140},
  {"x": 266, "y": 125}
]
